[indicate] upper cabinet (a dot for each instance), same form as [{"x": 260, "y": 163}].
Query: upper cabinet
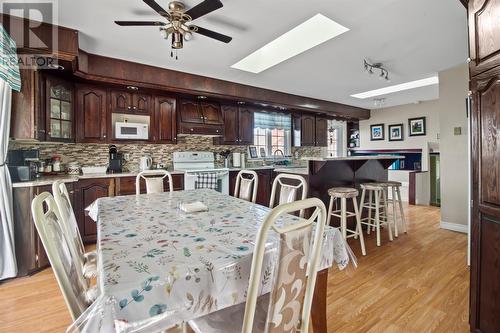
[
  {"x": 91, "y": 114},
  {"x": 26, "y": 116},
  {"x": 59, "y": 104},
  {"x": 238, "y": 125},
  {"x": 165, "y": 119},
  {"x": 314, "y": 131},
  {"x": 484, "y": 35},
  {"x": 128, "y": 102},
  {"x": 203, "y": 118}
]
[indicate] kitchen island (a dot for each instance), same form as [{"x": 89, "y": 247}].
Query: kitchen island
[{"x": 327, "y": 172}]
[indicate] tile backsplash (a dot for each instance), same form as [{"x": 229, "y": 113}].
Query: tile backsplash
[{"x": 89, "y": 154}]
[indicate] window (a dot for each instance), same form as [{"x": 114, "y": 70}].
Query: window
[
  {"x": 272, "y": 132},
  {"x": 335, "y": 138}
]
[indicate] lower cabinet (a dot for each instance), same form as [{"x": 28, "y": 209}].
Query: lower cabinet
[
  {"x": 264, "y": 187},
  {"x": 86, "y": 192},
  {"x": 30, "y": 253}
]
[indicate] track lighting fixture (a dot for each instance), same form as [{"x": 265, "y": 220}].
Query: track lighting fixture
[{"x": 384, "y": 73}]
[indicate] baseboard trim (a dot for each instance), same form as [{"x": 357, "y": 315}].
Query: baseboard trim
[{"x": 454, "y": 227}]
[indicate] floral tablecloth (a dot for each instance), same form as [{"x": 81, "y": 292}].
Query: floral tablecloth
[{"x": 159, "y": 266}]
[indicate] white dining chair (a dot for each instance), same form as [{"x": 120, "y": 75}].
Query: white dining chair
[
  {"x": 287, "y": 192},
  {"x": 287, "y": 307},
  {"x": 247, "y": 183},
  {"x": 154, "y": 181},
  {"x": 87, "y": 260},
  {"x": 76, "y": 290}
]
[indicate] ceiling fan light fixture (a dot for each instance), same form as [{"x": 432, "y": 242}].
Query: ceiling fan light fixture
[
  {"x": 177, "y": 40},
  {"x": 188, "y": 36}
]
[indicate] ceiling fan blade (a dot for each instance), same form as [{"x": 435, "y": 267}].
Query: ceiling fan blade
[
  {"x": 140, "y": 23},
  {"x": 157, "y": 8},
  {"x": 211, "y": 34},
  {"x": 204, "y": 8}
]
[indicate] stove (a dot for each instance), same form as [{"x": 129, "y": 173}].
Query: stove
[{"x": 200, "y": 171}]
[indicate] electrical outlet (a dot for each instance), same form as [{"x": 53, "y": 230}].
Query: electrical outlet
[
  {"x": 126, "y": 156},
  {"x": 457, "y": 130}
]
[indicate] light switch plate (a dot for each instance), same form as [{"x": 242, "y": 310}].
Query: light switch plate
[{"x": 457, "y": 130}]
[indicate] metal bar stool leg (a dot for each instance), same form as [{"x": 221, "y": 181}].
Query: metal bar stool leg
[{"x": 358, "y": 226}]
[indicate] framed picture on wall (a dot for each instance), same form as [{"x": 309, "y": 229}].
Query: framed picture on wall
[
  {"x": 416, "y": 126},
  {"x": 377, "y": 132},
  {"x": 396, "y": 132}
]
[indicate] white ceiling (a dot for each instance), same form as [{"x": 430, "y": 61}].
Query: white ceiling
[{"x": 413, "y": 38}]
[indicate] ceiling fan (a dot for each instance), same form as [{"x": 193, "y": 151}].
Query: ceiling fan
[{"x": 178, "y": 25}]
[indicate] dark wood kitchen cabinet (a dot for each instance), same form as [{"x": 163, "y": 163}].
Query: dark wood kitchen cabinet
[
  {"x": 321, "y": 132},
  {"x": 484, "y": 36},
  {"x": 263, "y": 189},
  {"x": 86, "y": 192},
  {"x": 484, "y": 42},
  {"x": 238, "y": 125},
  {"x": 30, "y": 253},
  {"x": 204, "y": 118},
  {"x": 91, "y": 114},
  {"x": 314, "y": 131},
  {"x": 59, "y": 109},
  {"x": 165, "y": 119},
  {"x": 130, "y": 102},
  {"x": 126, "y": 185}
]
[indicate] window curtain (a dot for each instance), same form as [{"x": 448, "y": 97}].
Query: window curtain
[
  {"x": 9, "y": 80},
  {"x": 272, "y": 120}
]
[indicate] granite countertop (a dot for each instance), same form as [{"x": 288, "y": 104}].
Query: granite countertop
[
  {"x": 49, "y": 180},
  {"x": 353, "y": 158}
]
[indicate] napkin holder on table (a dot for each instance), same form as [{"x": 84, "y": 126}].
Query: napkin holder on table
[{"x": 193, "y": 207}]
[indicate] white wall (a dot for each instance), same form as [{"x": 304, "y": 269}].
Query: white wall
[
  {"x": 400, "y": 115},
  {"x": 442, "y": 116}
]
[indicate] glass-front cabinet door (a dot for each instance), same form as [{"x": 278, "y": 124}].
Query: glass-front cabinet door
[{"x": 59, "y": 110}]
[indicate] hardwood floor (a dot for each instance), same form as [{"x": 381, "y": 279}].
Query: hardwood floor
[{"x": 417, "y": 283}]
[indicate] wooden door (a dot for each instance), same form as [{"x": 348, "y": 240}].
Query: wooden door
[
  {"x": 321, "y": 132},
  {"x": 264, "y": 187},
  {"x": 211, "y": 113},
  {"x": 190, "y": 112},
  {"x": 165, "y": 119},
  {"x": 141, "y": 103},
  {"x": 91, "y": 114},
  {"x": 121, "y": 101},
  {"x": 308, "y": 127},
  {"x": 245, "y": 123},
  {"x": 484, "y": 35},
  {"x": 485, "y": 231},
  {"x": 230, "y": 116},
  {"x": 87, "y": 192},
  {"x": 59, "y": 104}
]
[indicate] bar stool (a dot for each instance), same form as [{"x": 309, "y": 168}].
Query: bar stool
[
  {"x": 396, "y": 199},
  {"x": 379, "y": 192},
  {"x": 344, "y": 193}
]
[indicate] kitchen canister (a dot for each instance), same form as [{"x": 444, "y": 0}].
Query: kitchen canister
[
  {"x": 73, "y": 168},
  {"x": 243, "y": 161}
]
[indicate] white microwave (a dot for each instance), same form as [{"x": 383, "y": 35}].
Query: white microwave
[{"x": 134, "y": 131}]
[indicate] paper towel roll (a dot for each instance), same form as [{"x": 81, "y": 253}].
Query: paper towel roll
[{"x": 236, "y": 160}]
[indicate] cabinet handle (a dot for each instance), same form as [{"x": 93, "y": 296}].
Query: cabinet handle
[
  {"x": 129, "y": 107},
  {"x": 201, "y": 117},
  {"x": 191, "y": 129},
  {"x": 135, "y": 108},
  {"x": 217, "y": 131},
  {"x": 104, "y": 136}
]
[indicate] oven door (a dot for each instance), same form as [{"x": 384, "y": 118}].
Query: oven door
[{"x": 191, "y": 177}]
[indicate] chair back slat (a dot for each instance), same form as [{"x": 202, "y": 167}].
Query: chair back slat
[
  {"x": 68, "y": 273},
  {"x": 246, "y": 186},
  {"x": 295, "y": 275},
  {"x": 68, "y": 220},
  {"x": 154, "y": 181}
]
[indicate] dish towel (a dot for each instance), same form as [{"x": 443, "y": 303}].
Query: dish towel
[
  {"x": 193, "y": 207},
  {"x": 206, "y": 180}
]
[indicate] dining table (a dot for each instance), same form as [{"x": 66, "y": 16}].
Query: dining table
[{"x": 159, "y": 266}]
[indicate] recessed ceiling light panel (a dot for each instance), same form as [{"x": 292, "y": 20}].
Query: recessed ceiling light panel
[
  {"x": 315, "y": 31},
  {"x": 398, "y": 87}
]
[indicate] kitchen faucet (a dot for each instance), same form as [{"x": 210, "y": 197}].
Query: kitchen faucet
[{"x": 279, "y": 150}]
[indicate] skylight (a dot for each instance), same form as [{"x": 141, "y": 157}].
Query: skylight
[
  {"x": 398, "y": 87},
  {"x": 316, "y": 30}
]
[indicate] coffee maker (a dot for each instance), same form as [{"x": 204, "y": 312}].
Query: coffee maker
[
  {"x": 115, "y": 160},
  {"x": 23, "y": 164}
]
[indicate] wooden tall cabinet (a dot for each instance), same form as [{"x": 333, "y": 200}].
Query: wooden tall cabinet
[
  {"x": 165, "y": 119},
  {"x": 314, "y": 131},
  {"x": 238, "y": 125},
  {"x": 484, "y": 41}
]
